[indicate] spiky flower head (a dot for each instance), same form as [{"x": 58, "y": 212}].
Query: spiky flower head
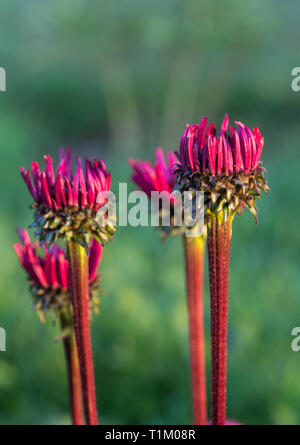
[
  {"x": 158, "y": 177},
  {"x": 66, "y": 204},
  {"x": 49, "y": 277},
  {"x": 225, "y": 166}
]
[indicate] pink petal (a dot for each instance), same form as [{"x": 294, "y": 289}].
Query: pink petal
[
  {"x": 212, "y": 153},
  {"x": 220, "y": 157},
  {"x": 70, "y": 193},
  {"x": 201, "y": 132},
  {"x": 238, "y": 162},
  {"x": 57, "y": 191},
  {"x": 224, "y": 125},
  {"x": 46, "y": 190},
  {"x": 91, "y": 189},
  {"x": 19, "y": 251},
  {"x": 62, "y": 191},
  {"x": 62, "y": 270},
  {"x": 82, "y": 184},
  {"x": 36, "y": 174},
  {"x": 95, "y": 253},
  {"x": 26, "y": 178},
  {"x": 225, "y": 154},
  {"x": 75, "y": 189},
  {"x": 49, "y": 170}
]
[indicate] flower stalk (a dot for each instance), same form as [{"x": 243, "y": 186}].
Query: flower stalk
[
  {"x": 73, "y": 369},
  {"x": 218, "y": 241},
  {"x": 79, "y": 275},
  {"x": 194, "y": 260}
]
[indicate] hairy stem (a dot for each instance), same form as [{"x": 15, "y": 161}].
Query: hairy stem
[
  {"x": 218, "y": 241},
  {"x": 194, "y": 259},
  {"x": 78, "y": 260},
  {"x": 74, "y": 381}
]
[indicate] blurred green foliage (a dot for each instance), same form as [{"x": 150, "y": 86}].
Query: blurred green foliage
[{"x": 115, "y": 79}]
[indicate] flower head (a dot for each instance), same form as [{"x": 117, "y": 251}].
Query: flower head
[
  {"x": 234, "y": 151},
  {"x": 48, "y": 273},
  {"x": 66, "y": 204},
  {"x": 158, "y": 177},
  {"x": 226, "y": 165}
]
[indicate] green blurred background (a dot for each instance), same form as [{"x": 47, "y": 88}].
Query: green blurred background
[{"x": 115, "y": 79}]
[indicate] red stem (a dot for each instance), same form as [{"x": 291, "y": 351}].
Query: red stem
[
  {"x": 78, "y": 260},
  {"x": 218, "y": 241},
  {"x": 194, "y": 253},
  {"x": 71, "y": 355}
]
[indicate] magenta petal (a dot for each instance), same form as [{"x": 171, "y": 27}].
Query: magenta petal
[
  {"x": 245, "y": 150},
  {"x": 220, "y": 162},
  {"x": 229, "y": 157},
  {"x": 190, "y": 145},
  {"x": 212, "y": 153},
  {"x": 182, "y": 146},
  {"x": 252, "y": 145},
  {"x": 201, "y": 132},
  {"x": 224, "y": 125},
  {"x": 225, "y": 155},
  {"x": 204, "y": 157},
  {"x": 95, "y": 253},
  {"x": 36, "y": 174},
  {"x": 75, "y": 189},
  {"x": 258, "y": 153},
  {"x": 62, "y": 270},
  {"x": 70, "y": 193},
  {"x": 91, "y": 189},
  {"x": 30, "y": 187},
  {"x": 46, "y": 190},
  {"x": 38, "y": 271},
  {"x": 24, "y": 236},
  {"x": 19, "y": 251},
  {"x": 238, "y": 162},
  {"x": 62, "y": 191},
  {"x": 57, "y": 191},
  {"x": 159, "y": 156},
  {"x": 211, "y": 131},
  {"x": 49, "y": 170},
  {"x": 61, "y": 169},
  {"x": 161, "y": 176},
  {"x": 81, "y": 183}
]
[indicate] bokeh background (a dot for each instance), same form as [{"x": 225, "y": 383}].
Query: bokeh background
[{"x": 116, "y": 79}]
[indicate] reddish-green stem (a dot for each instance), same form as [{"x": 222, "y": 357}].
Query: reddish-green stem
[
  {"x": 73, "y": 369},
  {"x": 218, "y": 241},
  {"x": 194, "y": 259},
  {"x": 78, "y": 261}
]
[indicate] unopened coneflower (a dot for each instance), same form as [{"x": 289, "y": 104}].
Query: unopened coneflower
[
  {"x": 66, "y": 207},
  {"x": 226, "y": 167},
  {"x": 160, "y": 178},
  {"x": 49, "y": 282}
]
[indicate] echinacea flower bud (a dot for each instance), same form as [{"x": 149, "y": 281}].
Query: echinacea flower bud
[
  {"x": 66, "y": 204},
  {"x": 158, "y": 177},
  {"x": 49, "y": 275},
  {"x": 225, "y": 166}
]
